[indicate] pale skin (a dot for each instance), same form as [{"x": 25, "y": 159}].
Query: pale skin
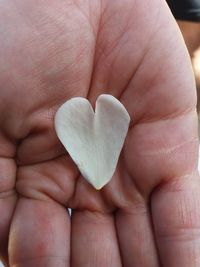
[{"x": 148, "y": 215}]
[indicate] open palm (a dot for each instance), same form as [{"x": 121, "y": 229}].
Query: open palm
[{"x": 148, "y": 215}]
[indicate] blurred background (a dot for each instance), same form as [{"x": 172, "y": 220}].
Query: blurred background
[{"x": 191, "y": 34}]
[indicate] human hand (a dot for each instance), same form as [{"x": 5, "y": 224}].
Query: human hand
[{"x": 148, "y": 215}]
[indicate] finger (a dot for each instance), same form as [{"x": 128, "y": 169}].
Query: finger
[
  {"x": 136, "y": 239},
  {"x": 40, "y": 235},
  {"x": 94, "y": 240},
  {"x": 176, "y": 217},
  {"x": 7, "y": 206},
  {"x": 7, "y": 193}
]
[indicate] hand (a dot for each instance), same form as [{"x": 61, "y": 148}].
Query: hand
[{"x": 148, "y": 215}]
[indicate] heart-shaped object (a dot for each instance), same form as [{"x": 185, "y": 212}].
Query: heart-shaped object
[{"x": 94, "y": 140}]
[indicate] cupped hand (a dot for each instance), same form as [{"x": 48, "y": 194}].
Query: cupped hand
[{"x": 148, "y": 215}]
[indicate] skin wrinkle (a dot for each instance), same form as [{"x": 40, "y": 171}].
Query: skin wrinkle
[
  {"x": 103, "y": 207},
  {"x": 173, "y": 115},
  {"x": 137, "y": 208},
  {"x": 172, "y": 118},
  {"x": 191, "y": 106},
  {"x": 7, "y": 194},
  {"x": 169, "y": 150},
  {"x": 93, "y": 220},
  {"x": 187, "y": 222},
  {"x": 109, "y": 53},
  {"x": 52, "y": 150},
  {"x": 16, "y": 264},
  {"x": 153, "y": 228},
  {"x": 184, "y": 234},
  {"x": 141, "y": 195},
  {"x": 143, "y": 119},
  {"x": 155, "y": 29},
  {"x": 94, "y": 28},
  {"x": 129, "y": 82},
  {"x": 174, "y": 183},
  {"x": 118, "y": 238},
  {"x": 42, "y": 192},
  {"x": 117, "y": 41},
  {"x": 94, "y": 54}
]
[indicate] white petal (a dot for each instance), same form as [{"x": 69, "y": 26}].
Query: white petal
[{"x": 93, "y": 140}]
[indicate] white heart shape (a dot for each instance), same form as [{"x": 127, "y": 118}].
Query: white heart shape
[{"x": 93, "y": 140}]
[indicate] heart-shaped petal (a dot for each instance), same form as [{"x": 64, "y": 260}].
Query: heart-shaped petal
[{"x": 93, "y": 140}]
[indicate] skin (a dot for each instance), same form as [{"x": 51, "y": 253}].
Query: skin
[{"x": 148, "y": 215}]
